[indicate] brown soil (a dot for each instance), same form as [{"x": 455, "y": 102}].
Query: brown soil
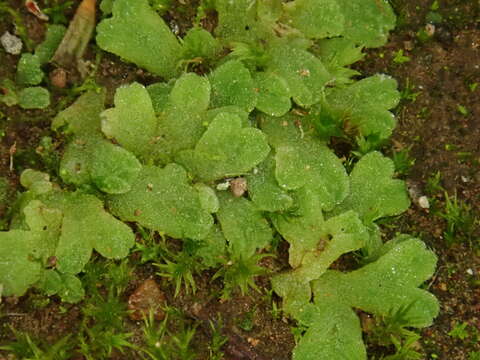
[
  {"x": 441, "y": 70},
  {"x": 441, "y": 125}
]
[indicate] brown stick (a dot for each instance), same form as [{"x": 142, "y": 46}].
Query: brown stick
[{"x": 79, "y": 33}]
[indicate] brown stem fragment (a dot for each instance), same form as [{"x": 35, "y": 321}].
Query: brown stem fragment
[{"x": 79, "y": 33}]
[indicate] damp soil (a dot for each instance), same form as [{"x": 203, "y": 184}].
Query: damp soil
[{"x": 435, "y": 56}]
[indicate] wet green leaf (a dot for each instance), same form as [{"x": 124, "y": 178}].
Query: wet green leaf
[
  {"x": 243, "y": 226},
  {"x": 208, "y": 198},
  {"x": 68, "y": 287},
  {"x": 28, "y": 70},
  {"x": 365, "y": 104},
  {"x": 213, "y": 250},
  {"x": 163, "y": 200},
  {"x": 34, "y": 98},
  {"x": 334, "y": 332},
  {"x": 386, "y": 285},
  {"x": 302, "y": 160},
  {"x": 132, "y": 122},
  {"x": 199, "y": 43},
  {"x": 36, "y": 181},
  {"x": 315, "y": 18},
  {"x": 87, "y": 226},
  {"x": 159, "y": 93},
  {"x": 301, "y": 225},
  {"x": 369, "y": 21},
  {"x": 138, "y": 34},
  {"x": 83, "y": 116},
  {"x": 264, "y": 189},
  {"x": 304, "y": 73},
  {"x": 47, "y": 48},
  {"x": 8, "y": 95},
  {"x": 18, "y": 270},
  {"x": 336, "y": 236},
  {"x": 336, "y": 54},
  {"x": 93, "y": 160},
  {"x": 236, "y": 20},
  {"x": 232, "y": 84},
  {"x": 180, "y": 125},
  {"x": 273, "y": 94},
  {"x": 113, "y": 169},
  {"x": 373, "y": 192},
  {"x": 225, "y": 149}
]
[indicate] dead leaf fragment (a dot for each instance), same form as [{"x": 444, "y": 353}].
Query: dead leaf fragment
[
  {"x": 147, "y": 297},
  {"x": 34, "y": 9}
]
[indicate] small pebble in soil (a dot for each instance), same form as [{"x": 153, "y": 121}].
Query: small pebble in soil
[
  {"x": 430, "y": 29},
  {"x": 253, "y": 341},
  {"x": 469, "y": 271},
  {"x": 238, "y": 186},
  {"x": 408, "y": 45},
  {"x": 423, "y": 202},
  {"x": 11, "y": 43},
  {"x": 58, "y": 77},
  {"x": 147, "y": 297}
]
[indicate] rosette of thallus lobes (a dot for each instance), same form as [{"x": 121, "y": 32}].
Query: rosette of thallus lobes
[{"x": 274, "y": 87}]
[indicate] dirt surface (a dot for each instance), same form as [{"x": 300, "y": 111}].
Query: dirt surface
[
  {"x": 435, "y": 56},
  {"x": 444, "y": 140}
]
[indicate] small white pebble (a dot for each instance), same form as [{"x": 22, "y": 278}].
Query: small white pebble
[
  {"x": 423, "y": 202},
  {"x": 238, "y": 186},
  {"x": 11, "y": 43},
  {"x": 223, "y": 186},
  {"x": 430, "y": 29},
  {"x": 465, "y": 179},
  {"x": 469, "y": 271}
]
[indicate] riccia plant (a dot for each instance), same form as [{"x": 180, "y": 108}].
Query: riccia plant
[{"x": 275, "y": 87}]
